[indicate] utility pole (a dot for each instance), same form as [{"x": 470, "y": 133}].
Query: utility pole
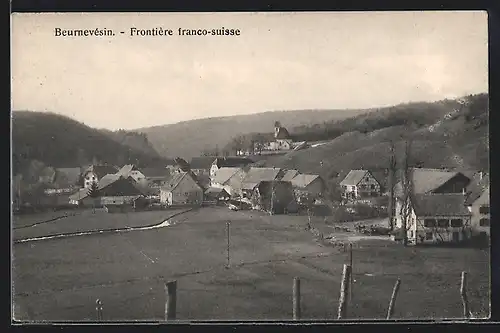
[{"x": 228, "y": 244}]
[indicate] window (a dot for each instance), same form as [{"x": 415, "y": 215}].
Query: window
[
  {"x": 344, "y": 187},
  {"x": 429, "y": 223},
  {"x": 443, "y": 223},
  {"x": 456, "y": 223},
  {"x": 428, "y": 235},
  {"x": 484, "y": 209},
  {"x": 484, "y": 222},
  {"x": 411, "y": 233},
  {"x": 372, "y": 187}
]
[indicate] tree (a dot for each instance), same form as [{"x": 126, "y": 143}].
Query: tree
[
  {"x": 406, "y": 203},
  {"x": 391, "y": 183},
  {"x": 94, "y": 193}
]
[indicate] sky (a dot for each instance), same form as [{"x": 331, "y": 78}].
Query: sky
[{"x": 280, "y": 61}]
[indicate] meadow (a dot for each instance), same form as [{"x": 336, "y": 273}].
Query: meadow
[{"x": 60, "y": 279}]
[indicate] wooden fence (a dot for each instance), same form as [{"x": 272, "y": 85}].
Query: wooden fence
[{"x": 344, "y": 298}]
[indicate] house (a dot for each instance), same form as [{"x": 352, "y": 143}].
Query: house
[
  {"x": 311, "y": 186},
  {"x": 182, "y": 189},
  {"x": 131, "y": 170},
  {"x": 113, "y": 189},
  {"x": 434, "y": 181},
  {"x": 478, "y": 203},
  {"x": 253, "y": 178},
  {"x": 202, "y": 165},
  {"x": 359, "y": 184},
  {"x": 434, "y": 218},
  {"x": 275, "y": 197},
  {"x": 229, "y": 162},
  {"x": 94, "y": 173},
  {"x": 216, "y": 195}
]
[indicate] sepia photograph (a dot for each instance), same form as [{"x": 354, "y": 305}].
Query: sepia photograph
[{"x": 249, "y": 166}]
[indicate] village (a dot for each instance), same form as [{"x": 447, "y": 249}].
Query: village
[{"x": 434, "y": 206}]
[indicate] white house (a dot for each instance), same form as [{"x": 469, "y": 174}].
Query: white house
[
  {"x": 359, "y": 184},
  {"x": 434, "y": 218}
]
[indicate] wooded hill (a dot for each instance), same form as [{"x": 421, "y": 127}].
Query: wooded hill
[
  {"x": 60, "y": 141},
  {"x": 195, "y": 137},
  {"x": 446, "y": 134}
]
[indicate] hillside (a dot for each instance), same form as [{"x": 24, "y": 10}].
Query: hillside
[
  {"x": 458, "y": 138},
  {"x": 60, "y": 141},
  {"x": 191, "y": 138},
  {"x": 136, "y": 141}
]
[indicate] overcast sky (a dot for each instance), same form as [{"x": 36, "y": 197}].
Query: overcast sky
[{"x": 280, "y": 61}]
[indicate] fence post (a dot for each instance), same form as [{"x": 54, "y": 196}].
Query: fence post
[
  {"x": 463, "y": 293},
  {"x": 296, "y": 298},
  {"x": 171, "y": 300},
  {"x": 98, "y": 308},
  {"x": 351, "y": 277},
  {"x": 344, "y": 288},
  {"x": 392, "y": 303}
]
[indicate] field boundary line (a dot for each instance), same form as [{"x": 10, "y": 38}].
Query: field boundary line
[
  {"x": 95, "y": 232},
  {"x": 45, "y": 221}
]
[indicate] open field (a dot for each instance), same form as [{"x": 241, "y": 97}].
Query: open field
[
  {"x": 60, "y": 279},
  {"x": 86, "y": 220}
]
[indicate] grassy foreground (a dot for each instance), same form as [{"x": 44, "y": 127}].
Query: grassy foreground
[{"x": 61, "y": 279}]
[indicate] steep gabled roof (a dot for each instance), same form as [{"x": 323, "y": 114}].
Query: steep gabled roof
[
  {"x": 282, "y": 133},
  {"x": 182, "y": 164},
  {"x": 256, "y": 175},
  {"x": 232, "y": 162},
  {"x": 440, "y": 205},
  {"x": 303, "y": 180},
  {"x": 354, "y": 177},
  {"x": 127, "y": 169},
  {"x": 223, "y": 175},
  {"x": 203, "y": 162},
  {"x": 426, "y": 180},
  {"x": 289, "y": 174}
]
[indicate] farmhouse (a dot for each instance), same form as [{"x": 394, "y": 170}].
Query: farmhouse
[
  {"x": 478, "y": 203},
  {"x": 182, "y": 189},
  {"x": 256, "y": 175},
  {"x": 434, "y": 218},
  {"x": 229, "y": 162},
  {"x": 113, "y": 189},
  {"x": 359, "y": 184},
  {"x": 94, "y": 173},
  {"x": 275, "y": 197},
  {"x": 156, "y": 178},
  {"x": 308, "y": 186}
]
